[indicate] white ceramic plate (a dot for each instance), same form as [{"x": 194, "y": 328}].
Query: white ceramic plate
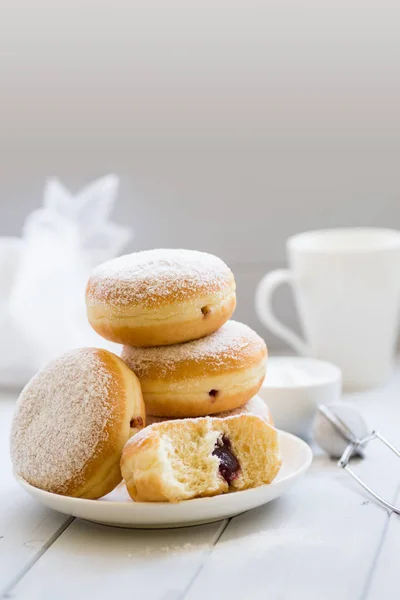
[{"x": 119, "y": 510}]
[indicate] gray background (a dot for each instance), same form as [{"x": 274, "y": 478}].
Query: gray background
[{"x": 232, "y": 126}]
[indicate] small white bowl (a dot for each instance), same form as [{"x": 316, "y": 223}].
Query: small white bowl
[{"x": 295, "y": 386}]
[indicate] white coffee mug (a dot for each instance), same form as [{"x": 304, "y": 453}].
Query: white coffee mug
[{"x": 346, "y": 285}]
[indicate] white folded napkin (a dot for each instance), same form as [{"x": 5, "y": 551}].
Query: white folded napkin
[{"x": 44, "y": 308}]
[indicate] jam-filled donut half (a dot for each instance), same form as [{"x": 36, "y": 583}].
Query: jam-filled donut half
[{"x": 191, "y": 458}]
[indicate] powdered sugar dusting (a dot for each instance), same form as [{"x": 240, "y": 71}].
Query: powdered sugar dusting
[
  {"x": 148, "y": 278},
  {"x": 61, "y": 419},
  {"x": 234, "y": 341}
]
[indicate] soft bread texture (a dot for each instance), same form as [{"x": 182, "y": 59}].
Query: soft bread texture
[
  {"x": 255, "y": 406},
  {"x": 160, "y": 297},
  {"x": 218, "y": 373},
  {"x": 72, "y": 421},
  {"x": 176, "y": 460}
]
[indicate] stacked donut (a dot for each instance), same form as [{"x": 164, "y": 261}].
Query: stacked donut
[
  {"x": 170, "y": 309},
  {"x": 186, "y": 371}
]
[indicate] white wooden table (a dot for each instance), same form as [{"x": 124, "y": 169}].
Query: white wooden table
[{"x": 324, "y": 540}]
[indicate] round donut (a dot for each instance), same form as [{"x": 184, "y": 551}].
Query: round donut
[
  {"x": 160, "y": 297},
  {"x": 255, "y": 406},
  {"x": 72, "y": 421},
  {"x": 204, "y": 377}
]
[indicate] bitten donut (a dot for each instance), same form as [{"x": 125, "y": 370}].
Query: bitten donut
[
  {"x": 204, "y": 377},
  {"x": 255, "y": 406},
  {"x": 191, "y": 458},
  {"x": 72, "y": 421},
  {"x": 160, "y": 297}
]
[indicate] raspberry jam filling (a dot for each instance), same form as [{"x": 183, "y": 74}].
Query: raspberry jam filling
[
  {"x": 229, "y": 466},
  {"x": 136, "y": 422}
]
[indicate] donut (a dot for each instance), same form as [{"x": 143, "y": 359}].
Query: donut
[
  {"x": 255, "y": 406},
  {"x": 160, "y": 297},
  {"x": 192, "y": 458},
  {"x": 72, "y": 421},
  {"x": 214, "y": 374}
]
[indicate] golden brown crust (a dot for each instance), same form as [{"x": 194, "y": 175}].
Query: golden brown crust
[
  {"x": 102, "y": 474},
  {"x": 232, "y": 347},
  {"x": 195, "y": 397},
  {"x": 161, "y": 328},
  {"x": 217, "y": 373}
]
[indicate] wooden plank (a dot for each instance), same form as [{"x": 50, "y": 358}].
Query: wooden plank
[
  {"x": 384, "y": 581},
  {"x": 25, "y": 527},
  {"x": 90, "y": 560},
  {"x": 321, "y": 538},
  {"x": 318, "y": 541}
]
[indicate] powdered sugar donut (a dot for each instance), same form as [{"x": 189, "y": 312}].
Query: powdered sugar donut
[
  {"x": 160, "y": 297},
  {"x": 204, "y": 377},
  {"x": 255, "y": 406},
  {"x": 72, "y": 421}
]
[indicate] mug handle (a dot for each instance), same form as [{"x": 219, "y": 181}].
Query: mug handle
[{"x": 264, "y": 293}]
